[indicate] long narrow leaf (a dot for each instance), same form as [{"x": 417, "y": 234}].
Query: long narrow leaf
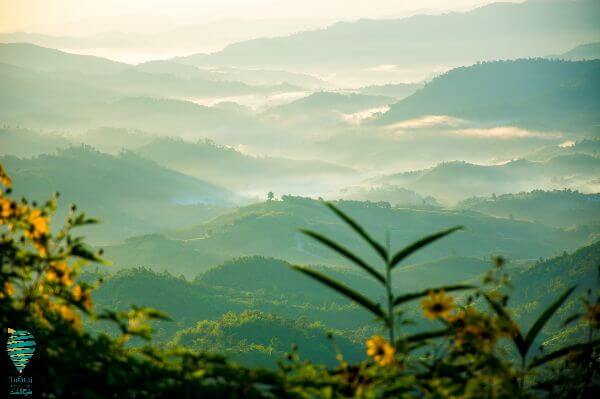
[
  {"x": 415, "y": 338},
  {"x": 356, "y": 227},
  {"x": 518, "y": 337},
  {"x": 571, "y": 319},
  {"x": 544, "y": 317},
  {"x": 414, "y": 295},
  {"x": 403, "y": 253},
  {"x": 342, "y": 289},
  {"x": 346, "y": 253},
  {"x": 538, "y": 361}
]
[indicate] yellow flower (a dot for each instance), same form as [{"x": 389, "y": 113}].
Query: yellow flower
[
  {"x": 60, "y": 272},
  {"x": 505, "y": 328},
  {"x": 38, "y": 224},
  {"x": 6, "y": 208},
  {"x": 487, "y": 339},
  {"x": 476, "y": 330},
  {"x": 87, "y": 300},
  {"x": 437, "y": 305},
  {"x": 4, "y": 178},
  {"x": 9, "y": 290},
  {"x": 69, "y": 315},
  {"x": 592, "y": 314},
  {"x": 77, "y": 291},
  {"x": 41, "y": 248},
  {"x": 82, "y": 295},
  {"x": 381, "y": 350}
]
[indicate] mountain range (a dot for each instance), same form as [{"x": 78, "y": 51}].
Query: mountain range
[{"x": 494, "y": 31}]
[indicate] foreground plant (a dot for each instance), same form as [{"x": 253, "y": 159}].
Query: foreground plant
[
  {"x": 470, "y": 363},
  {"x": 40, "y": 292},
  {"x": 385, "y": 313}
]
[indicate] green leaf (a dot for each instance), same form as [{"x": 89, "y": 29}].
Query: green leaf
[
  {"x": 342, "y": 289},
  {"x": 155, "y": 314},
  {"x": 346, "y": 253},
  {"x": 571, "y": 319},
  {"x": 403, "y": 253},
  {"x": 544, "y": 317},
  {"x": 518, "y": 337},
  {"x": 414, "y": 295},
  {"x": 81, "y": 220},
  {"x": 80, "y": 251},
  {"x": 415, "y": 338},
  {"x": 356, "y": 227},
  {"x": 538, "y": 361}
]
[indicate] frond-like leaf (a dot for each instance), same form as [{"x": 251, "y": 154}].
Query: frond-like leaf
[
  {"x": 414, "y": 295},
  {"x": 358, "y": 229},
  {"x": 345, "y": 291},
  {"x": 403, "y": 253},
  {"x": 346, "y": 253},
  {"x": 587, "y": 346},
  {"x": 544, "y": 317}
]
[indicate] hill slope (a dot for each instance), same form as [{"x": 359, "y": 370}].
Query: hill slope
[
  {"x": 545, "y": 94},
  {"x": 38, "y": 58},
  {"x": 227, "y": 166},
  {"x": 130, "y": 194},
  {"x": 454, "y": 181},
  {"x": 564, "y": 208},
  {"x": 589, "y": 51},
  {"x": 271, "y": 229},
  {"x": 538, "y": 285}
]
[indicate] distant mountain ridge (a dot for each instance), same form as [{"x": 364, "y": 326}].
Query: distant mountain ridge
[
  {"x": 26, "y": 55},
  {"x": 227, "y": 166},
  {"x": 453, "y": 181},
  {"x": 588, "y": 51},
  {"x": 532, "y": 28},
  {"x": 564, "y": 208}
]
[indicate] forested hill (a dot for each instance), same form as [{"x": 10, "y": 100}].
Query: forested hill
[
  {"x": 537, "y": 286},
  {"x": 271, "y": 229},
  {"x": 568, "y": 170},
  {"x": 541, "y": 93},
  {"x": 561, "y": 208},
  {"x": 130, "y": 194},
  {"x": 226, "y": 166}
]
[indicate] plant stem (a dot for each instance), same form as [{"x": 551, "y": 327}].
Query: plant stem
[
  {"x": 390, "y": 304},
  {"x": 388, "y": 287},
  {"x": 522, "y": 377},
  {"x": 589, "y": 370}
]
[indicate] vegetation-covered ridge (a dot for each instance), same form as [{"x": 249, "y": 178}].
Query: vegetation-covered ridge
[
  {"x": 538, "y": 93},
  {"x": 560, "y": 208},
  {"x": 473, "y": 348},
  {"x": 234, "y": 234}
]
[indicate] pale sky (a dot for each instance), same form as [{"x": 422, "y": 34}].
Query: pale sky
[{"x": 83, "y": 17}]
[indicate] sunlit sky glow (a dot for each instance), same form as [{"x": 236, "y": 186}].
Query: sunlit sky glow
[{"x": 84, "y": 17}]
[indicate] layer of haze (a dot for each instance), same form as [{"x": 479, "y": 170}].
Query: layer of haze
[{"x": 221, "y": 22}]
